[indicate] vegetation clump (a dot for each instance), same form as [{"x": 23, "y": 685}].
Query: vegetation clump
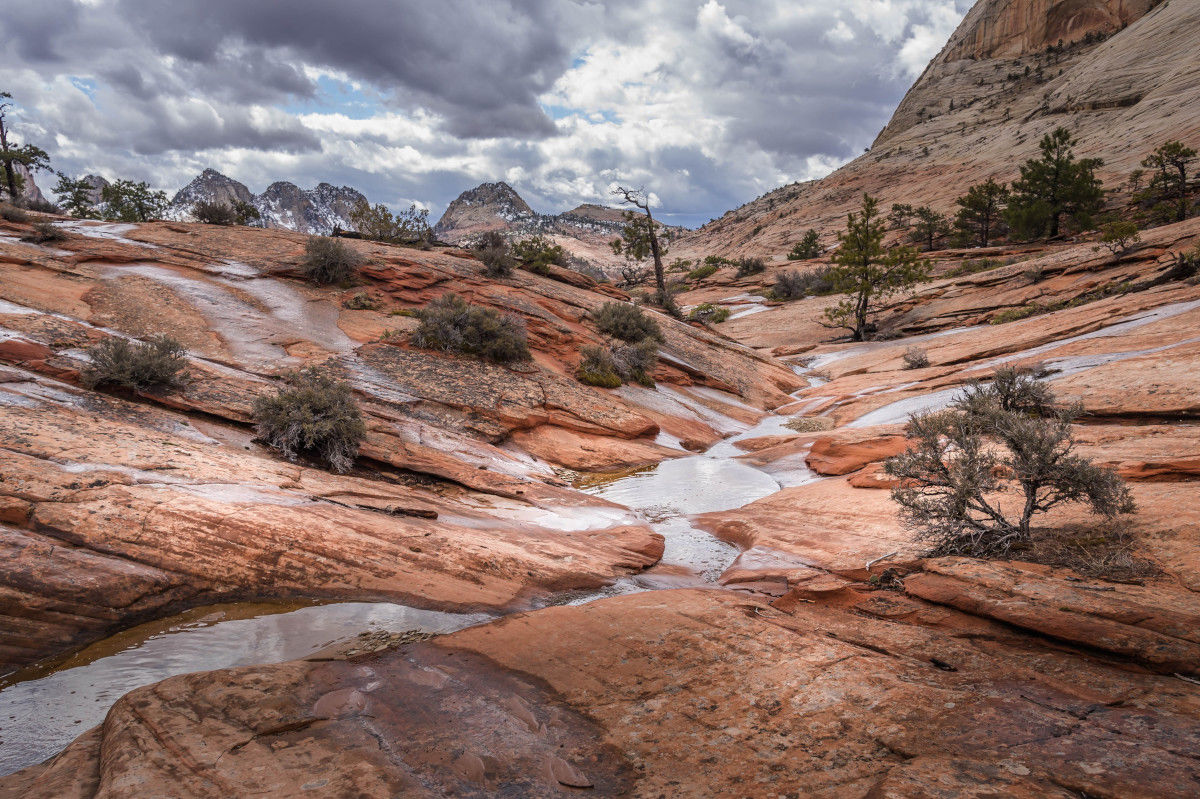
[
  {"x": 11, "y": 213},
  {"x": 796, "y": 285},
  {"x": 538, "y": 254},
  {"x": 496, "y": 254},
  {"x": 378, "y": 223},
  {"x": 1119, "y": 235},
  {"x": 596, "y": 367},
  {"x": 1168, "y": 191},
  {"x": 981, "y": 470},
  {"x": 642, "y": 238},
  {"x": 980, "y": 215},
  {"x": 159, "y": 362},
  {"x": 626, "y": 322},
  {"x": 808, "y": 247},
  {"x": 708, "y": 313},
  {"x": 129, "y": 201},
  {"x": 610, "y": 367},
  {"x": 915, "y": 358},
  {"x": 750, "y": 266},
  {"x": 238, "y": 212},
  {"x": 701, "y": 272},
  {"x": 451, "y": 324},
  {"x": 44, "y": 233},
  {"x": 327, "y": 260},
  {"x": 313, "y": 414},
  {"x": 1054, "y": 189},
  {"x": 361, "y": 301}
]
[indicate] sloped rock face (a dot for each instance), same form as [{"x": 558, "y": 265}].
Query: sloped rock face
[
  {"x": 1123, "y": 82},
  {"x": 873, "y": 694},
  {"x": 29, "y": 188}
]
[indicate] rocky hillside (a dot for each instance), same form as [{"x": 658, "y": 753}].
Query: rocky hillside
[
  {"x": 282, "y": 205},
  {"x": 1121, "y": 75},
  {"x": 585, "y": 231}
]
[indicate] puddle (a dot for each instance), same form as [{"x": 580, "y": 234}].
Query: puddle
[{"x": 42, "y": 709}]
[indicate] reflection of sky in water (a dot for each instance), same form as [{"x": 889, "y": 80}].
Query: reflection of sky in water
[{"x": 39, "y": 716}]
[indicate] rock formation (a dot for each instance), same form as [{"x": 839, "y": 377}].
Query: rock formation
[{"x": 283, "y": 204}]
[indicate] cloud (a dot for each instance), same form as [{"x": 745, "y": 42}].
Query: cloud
[{"x": 707, "y": 103}]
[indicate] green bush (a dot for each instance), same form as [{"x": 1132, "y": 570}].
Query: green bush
[
  {"x": 596, "y": 368},
  {"x": 496, "y": 255},
  {"x": 214, "y": 213},
  {"x": 972, "y": 266},
  {"x": 626, "y": 322},
  {"x": 707, "y": 312},
  {"x": 701, "y": 272},
  {"x": 160, "y": 361},
  {"x": 11, "y": 213},
  {"x": 44, "y": 233},
  {"x": 635, "y": 362},
  {"x": 538, "y": 254},
  {"x": 314, "y": 414},
  {"x": 451, "y": 324},
  {"x": 329, "y": 260},
  {"x": 750, "y": 266}
]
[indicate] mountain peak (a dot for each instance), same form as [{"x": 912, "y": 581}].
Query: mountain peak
[{"x": 488, "y": 206}]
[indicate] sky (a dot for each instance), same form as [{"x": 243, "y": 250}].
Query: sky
[{"x": 704, "y": 104}]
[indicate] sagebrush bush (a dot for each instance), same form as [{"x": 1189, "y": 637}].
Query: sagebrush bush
[
  {"x": 159, "y": 362},
  {"x": 329, "y": 260},
  {"x": 43, "y": 206},
  {"x": 978, "y": 472},
  {"x": 214, "y": 213},
  {"x": 702, "y": 271},
  {"x": 11, "y": 213},
  {"x": 451, "y": 324},
  {"x": 44, "y": 233},
  {"x": 314, "y": 414},
  {"x": 538, "y": 254},
  {"x": 626, "y": 322},
  {"x": 596, "y": 368},
  {"x": 496, "y": 255},
  {"x": 915, "y": 358},
  {"x": 796, "y": 285},
  {"x": 635, "y": 362},
  {"x": 750, "y": 266}
]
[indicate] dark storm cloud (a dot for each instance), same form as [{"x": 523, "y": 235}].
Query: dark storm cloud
[
  {"x": 479, "y": 64},
  {"x": 706, "y": 103}
]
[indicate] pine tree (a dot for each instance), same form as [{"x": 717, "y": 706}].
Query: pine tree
[
  {"x": 866, "y": 272},
  {"x": 980, "y": 211},
  {"x": 30, "y": 156},
  {"x": 1054, "y": 188},
  {"x": 1169, "y": 183},
  {"x": 928, "y": 227}
]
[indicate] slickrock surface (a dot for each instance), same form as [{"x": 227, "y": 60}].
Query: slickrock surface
[{"x": 670, "y": 693}]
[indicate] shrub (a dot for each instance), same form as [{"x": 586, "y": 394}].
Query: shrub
[
  {"x": 701, "y": 272},
  {"x": 709, "y": 313},
  {"x": 11, "y": 213},
  {"x": 596, "y": 368},
  {"x": 361, "y": 301},
  {"x": 633, "y": 275},
  {"x": 808, "y": 247},
  {"x": 314, "y": 414},
  {"x": 496, "y": 255},
  {"x": 538, "y": 254},
  {"x": 451, "y": 324},
  {"x": 996, "y": 441},
  {"x": 378, "y": 223},
  {"x": 626, "y": 322},
  {"x": 42, "y": 206},
  {"x": 328, "y": 260},
  {"x": 214, "y": 213},
  {"x": 972, "y": 266},
  {"x": 635, "y": 362},
  {"x": 1119, "y": 235},
  {"x": 794, "y": 285},
  {"x": 750, "y": 266},
  {"x": 44, "y": 233},
  {"x": 160, "y": 361},
  {"x": 915, "y": 358}
]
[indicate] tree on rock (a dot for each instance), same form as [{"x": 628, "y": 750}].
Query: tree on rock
[
  {"x": 30, "y": 156},
  {"x": 1054, "y": 188},
  {"x": 866, "y": 272},
  {"x": 1168, "y": 189},
  {"x": 127, "y": 201},
  {"x": 978, "y": 472},
  {"x": 928, "y": 227},
  {"x": 640, "y": 239},
  {"x": 980, "y": 211}
]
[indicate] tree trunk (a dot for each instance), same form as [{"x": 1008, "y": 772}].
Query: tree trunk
[
  {"x": 659, "y": 276},
  {"x": 9, "y": 172}
]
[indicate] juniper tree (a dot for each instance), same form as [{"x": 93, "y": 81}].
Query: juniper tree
[
  {"x": 1169, "y": 182},
  {"x": 928, "y": 226},
  {"x": 127, "y": 201},
  {"x": 30, "y": 156},
  {"x": 867, "y": 272},
  {"x": 980, "y": 211},
  {"x": 640, "y": 239},
  {"x": 1053, "y": 188},
  {"x": 75, "y": 197}
]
